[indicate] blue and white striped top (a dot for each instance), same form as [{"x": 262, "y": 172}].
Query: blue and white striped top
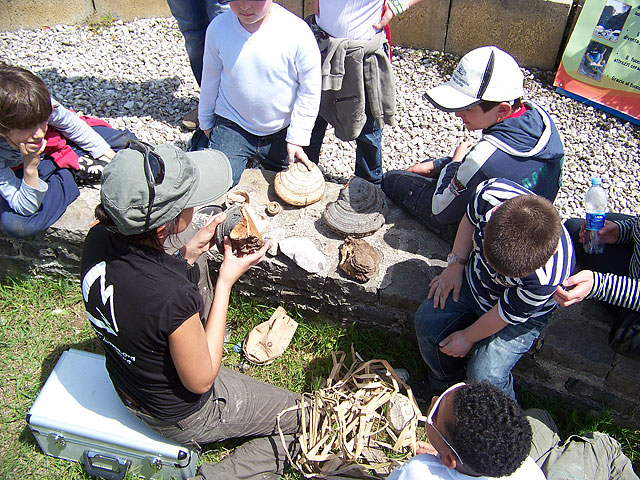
[
  {"x": 518, "y": 299},
  {"x": 617, "y": 289}
]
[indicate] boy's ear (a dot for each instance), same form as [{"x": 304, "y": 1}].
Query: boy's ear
[
  {"x": 448, "y": 459},
  {"x": 162, "y": 233},
  {"x": 504, "y": 110}
]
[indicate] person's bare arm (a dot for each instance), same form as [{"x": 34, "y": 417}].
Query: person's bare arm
[{"x": 387, "y": 13}]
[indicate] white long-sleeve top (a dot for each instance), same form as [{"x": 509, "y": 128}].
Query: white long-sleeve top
[
  {"x": 352, "y": 19},
  {"x": 265, "y": 80},
  {"x": 24, "y": 199}
]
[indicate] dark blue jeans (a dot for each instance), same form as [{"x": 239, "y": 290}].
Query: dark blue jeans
[
  {"x": 193, "y": 17},
  {"x": 491, "y": 359},
  {"x": 239, "y": 145},
  {"x": 414, "y": 194},
  {"x": 368, "y": 148}
]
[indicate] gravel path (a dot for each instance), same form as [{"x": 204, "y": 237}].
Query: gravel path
[{"x": 136, "y": 75}]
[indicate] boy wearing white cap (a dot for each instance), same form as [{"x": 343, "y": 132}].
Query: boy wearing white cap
[{"x": 519, "y": 142}]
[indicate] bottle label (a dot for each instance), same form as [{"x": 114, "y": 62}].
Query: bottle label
[{"x": 594, "y": 221}]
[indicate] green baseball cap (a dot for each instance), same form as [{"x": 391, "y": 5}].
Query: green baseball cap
[{"x": 189, "y": 179}]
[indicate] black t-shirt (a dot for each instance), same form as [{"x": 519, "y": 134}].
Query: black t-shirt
[{"x": 135, "y": 298}]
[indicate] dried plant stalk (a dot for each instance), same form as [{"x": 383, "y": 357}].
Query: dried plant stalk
[{"x": 345, "y": 432}]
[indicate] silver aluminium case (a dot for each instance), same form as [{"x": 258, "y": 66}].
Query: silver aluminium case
[{"x": 78, "y": 416}]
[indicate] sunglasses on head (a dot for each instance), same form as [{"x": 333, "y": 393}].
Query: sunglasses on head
[
  {"x": 153, "y": 170},
  {"x": 432, "y": 414}
]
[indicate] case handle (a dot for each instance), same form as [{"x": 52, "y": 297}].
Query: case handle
[{"x": 104, "y": 466}]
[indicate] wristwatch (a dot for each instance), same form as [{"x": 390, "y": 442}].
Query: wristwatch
[{"x": 453, "y": 259}]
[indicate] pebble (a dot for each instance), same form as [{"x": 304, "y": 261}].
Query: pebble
[{"x": 136, "y": 75}]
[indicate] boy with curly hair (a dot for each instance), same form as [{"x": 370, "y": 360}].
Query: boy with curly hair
[
  {"x": 474, "y": 430},
  {"x": 510, "y": 253}
]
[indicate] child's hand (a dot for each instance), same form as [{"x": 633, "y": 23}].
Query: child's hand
[
  {"x": 423, "y": 168},
  {"x": 609, "y": 233},
  {"x": 425, "y": 447},
  {"x": 462, "y": 150},
  {"x": 449, "y": 280},
  {"x": 456, "y": 344},
  {"x": 30, "y": 161},
  {"x": 582, "y": 283},
  {"x": 297, "y": 152},
  {"x": 207, "y": 132}
]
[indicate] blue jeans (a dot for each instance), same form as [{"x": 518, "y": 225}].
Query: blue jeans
[
  {"x": 193, "y": 17},
  {"x": 368, "y": 148},
  {"x": 491, "y": 359},
  {"x": 239, "y": 145},
  {"x": 414, "y": 194}
]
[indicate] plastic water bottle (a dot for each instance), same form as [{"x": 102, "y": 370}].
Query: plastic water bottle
[{"x": 595, "y": 204}]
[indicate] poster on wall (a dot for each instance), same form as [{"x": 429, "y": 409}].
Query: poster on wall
[{"x": 601, "y": 63}]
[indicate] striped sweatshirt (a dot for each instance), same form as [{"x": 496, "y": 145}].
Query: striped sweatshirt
[
  {"x": 617, "y": 289},
  {"x": 518, "y": 299}
]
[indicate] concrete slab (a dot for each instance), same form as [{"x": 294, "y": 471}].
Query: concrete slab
[
  {"x": 128, "y": 10},
  {"x": 295, "y": 6},
  {"x": 423, "y": 26},
  {"x": 32, "y": 14},
  {"x": 530, "y": 30}
]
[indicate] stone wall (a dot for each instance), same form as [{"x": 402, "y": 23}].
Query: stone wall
[
  {"x": 531, "y": 30},
  {"x": 571, "y": 359}
]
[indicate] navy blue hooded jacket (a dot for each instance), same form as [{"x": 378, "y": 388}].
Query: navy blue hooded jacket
[{"x": 525, "y": 149}]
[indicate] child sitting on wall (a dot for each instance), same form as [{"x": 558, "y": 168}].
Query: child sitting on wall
[
  {"x": 39, "y": 164},
  {"x": 510, "y": 254}
]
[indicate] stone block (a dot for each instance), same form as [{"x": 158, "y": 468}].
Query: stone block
[
  {"x": 423, "y": 26},
  {"x": 295, "y": 6},
  {"x": 624, "y": 377},
  {"x": 337, "y": 287},
  {"x": 570, "y": 341},
  {"x": 32, "y": 14},
  {"x": 530, "y": 30},
  {"x": 406, "y": 284},
  {"x": 128, "y": 10},
  {"x": 599, "y": 396}
]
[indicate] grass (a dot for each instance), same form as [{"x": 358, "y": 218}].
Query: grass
[
  {"x": 42, "y": 317},
  {"x": 97, "y": 23}
]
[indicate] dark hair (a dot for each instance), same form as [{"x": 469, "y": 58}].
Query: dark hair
[
  {"x": 24, "y": 99},
  {"x": 487, "y": 105},
  {"x": 521, "y": 235},
  {"x": 489, "y": 430},
  {"x": 149, "y": 239}
]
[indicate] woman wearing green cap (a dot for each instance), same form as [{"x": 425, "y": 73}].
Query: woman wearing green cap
[{"x": 162, "y": 355}]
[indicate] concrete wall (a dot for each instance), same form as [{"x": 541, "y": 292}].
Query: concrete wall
[
  {"x": 571, "y": 360},
  {"x": 531, "y": 30}
]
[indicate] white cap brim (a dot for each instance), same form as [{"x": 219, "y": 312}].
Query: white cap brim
[{"x": 450, "y": 99}]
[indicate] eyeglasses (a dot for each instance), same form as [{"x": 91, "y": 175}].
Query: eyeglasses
[
  {"x": 153, "y": 170},
  {"x": 432, "y": 414}
]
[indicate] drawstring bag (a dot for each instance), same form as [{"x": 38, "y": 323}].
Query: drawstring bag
[
  {"x": 269, "y": 340},
  {"x": 624, "y": 337}
]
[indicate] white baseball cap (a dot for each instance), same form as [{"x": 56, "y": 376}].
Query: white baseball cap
[{"x": 486, "y": 73}]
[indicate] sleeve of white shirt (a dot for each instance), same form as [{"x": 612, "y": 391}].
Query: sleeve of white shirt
[
  {"x": 22, "y": 198},
  {"x": 211, "y": 71},
  {"x": 73, "y": 128},
  {"x": 307, "y": 102}
]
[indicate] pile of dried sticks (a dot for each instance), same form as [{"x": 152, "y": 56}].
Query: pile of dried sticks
[{"x": 347, "y": 427}]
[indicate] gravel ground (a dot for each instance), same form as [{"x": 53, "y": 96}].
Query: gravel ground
[{"x": 136, "y": 75}]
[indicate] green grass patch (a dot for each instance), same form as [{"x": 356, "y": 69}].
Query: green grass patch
[
  {"x": 97, "y": 23},
  {"x": 42, "y": 317}
]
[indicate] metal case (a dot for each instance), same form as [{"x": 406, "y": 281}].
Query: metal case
[{"x": 78, "y": 416}]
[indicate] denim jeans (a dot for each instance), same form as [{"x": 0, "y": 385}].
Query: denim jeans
[
  {"x": 490, "y": 359},
  {"x": 193, "y": 17},
  {"x": 240, "y": 406},
  {"x": 239, "y": 145},
  {"x": 414, "y": 194},
  {"x": 368, "y": 148}
]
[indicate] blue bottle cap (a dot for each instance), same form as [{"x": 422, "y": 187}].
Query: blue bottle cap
[{"x": 596, "y": 181}]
